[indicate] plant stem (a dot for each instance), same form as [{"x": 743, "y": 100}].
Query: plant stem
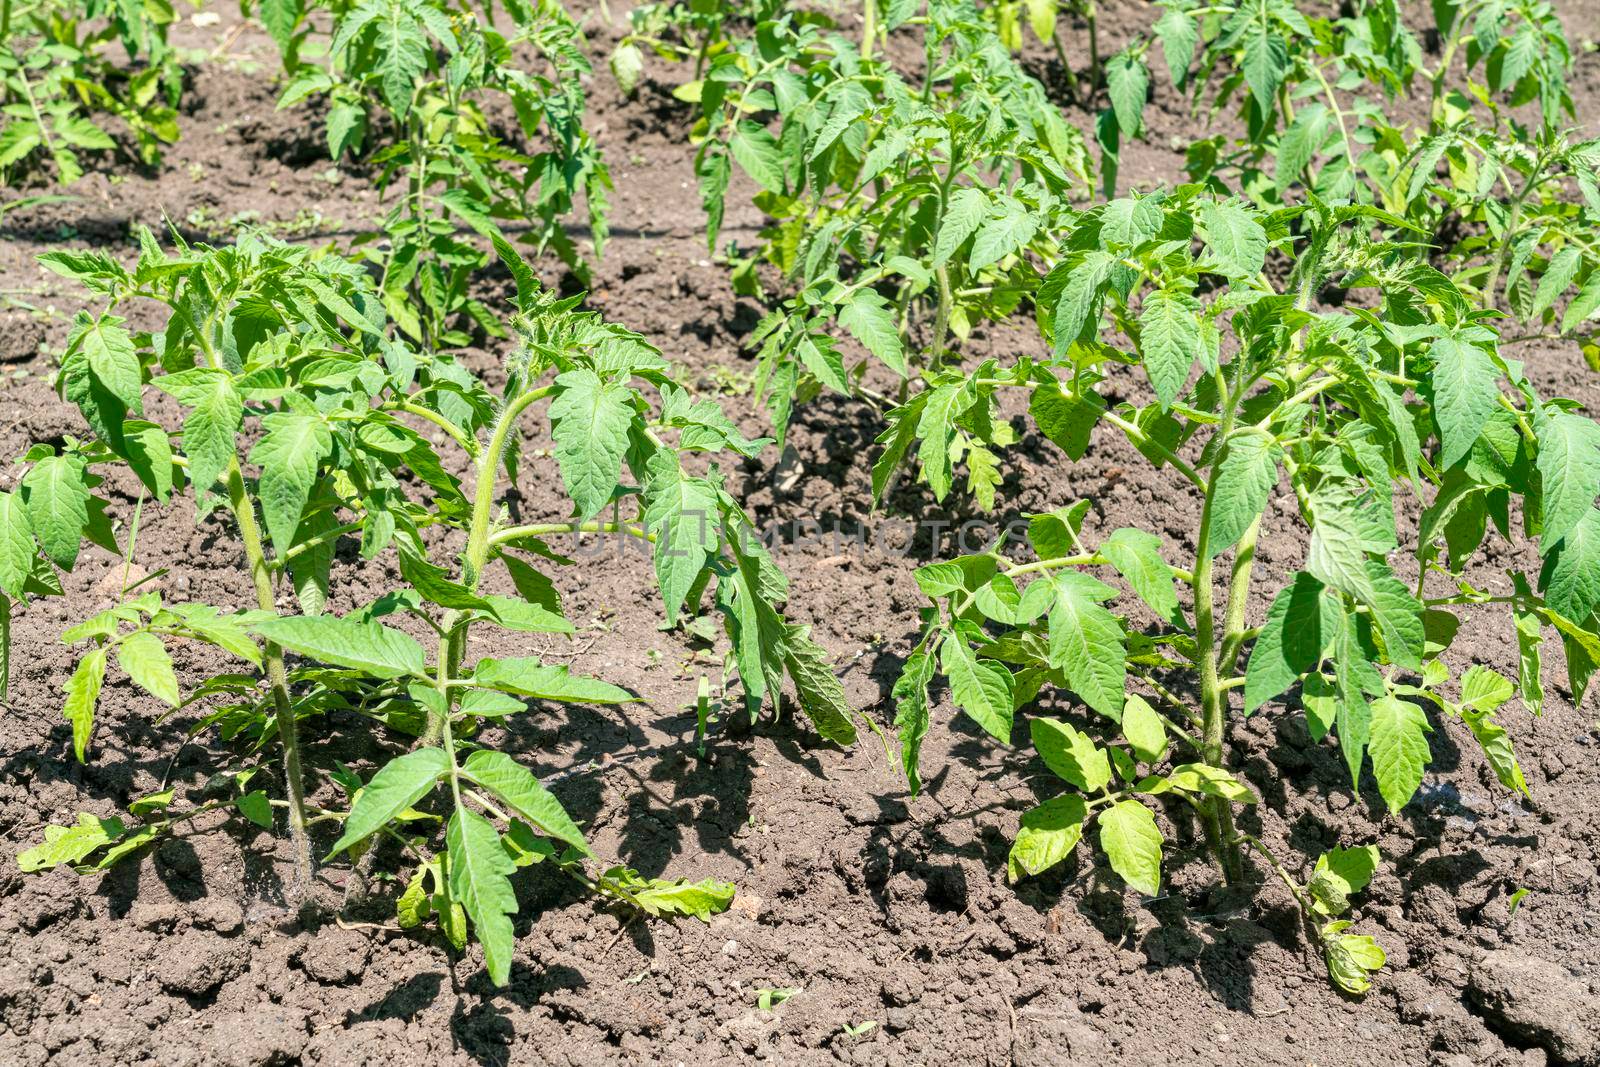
[
  {"x": 1217, "y": 813},
  {"x": 244, "y": 513},
  {"x": 869, "y": 26}
]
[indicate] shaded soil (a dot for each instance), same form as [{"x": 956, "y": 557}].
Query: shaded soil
[{"x": 875, "y": 907}]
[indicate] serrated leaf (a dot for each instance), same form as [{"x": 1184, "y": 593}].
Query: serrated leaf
[
  {"x": 528, "y": 677},
  {"x": 1127, "y": 84},
  {"x": 1399, "y": 748},
  {"x": 70, "y": 844},
  {"x": 145, "y": 659},
  {"x": 1300, "y": 627},
  {"x": 870, "y": 319},
  {"x": 522, "y": 793},
  {"x": 822, "y": 697},
  {"x": 1169, "y": 340},
  {"x": 1136, "y": 554},
  {"x": 1464, "y": 395},
  {"x": 912, "y": 715},
  {"x": 294, "y": 447},
  {"x": 211, "y": 429},
  {"x": 757, "y": 153},
  {"x": 1570, "y": 577},
  {"x": 398, "y": 785},
  {"x": 1087, "y": 643},
  {"x": 681, "y": 511},
  {"x": 1245, "y": 478},
  {"x": 981, "y": 688},
  {"x": 1237, "y": 243},
  {"x": 1569, "y": 470},
  {"x": 479, "y": 867},
  {"x": 963, "y": 213},
  {"x": 82, "y": 693},
  {"x": 1130, "y": 840},
  {"x": 378, "y": 650},
  {"x": 17, "y": 553},
  {"x": 590, "y": 421},
  {"x": 57, "y": 502}
]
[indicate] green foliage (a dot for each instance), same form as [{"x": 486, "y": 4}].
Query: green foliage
[
  {"x": 1402, "y": 390},
  {"x": 905, "y": 209},
  {"x": 293, "y": 349},
  {"x": 430, "y": 73},
  {"x": 63, "y": 94}
]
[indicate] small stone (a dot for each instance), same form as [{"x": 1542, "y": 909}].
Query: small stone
[{"x": 731, "y": 948}]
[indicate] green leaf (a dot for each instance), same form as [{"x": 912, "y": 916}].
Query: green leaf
[
  {"x": 522, "y": 793},
  {"x": 757, "y": 152},
  {"x": 870, "y": 319},
  {"x": 590, "y": 421},
  {"x": 145, "y": 659},
  {"x": 479, "y": 866},
  {"x": 1245, "y": 478},
  {"x": 999, "y": 237},
  {"x": 1569, "y": 470},
  {"x": 70, "y": 844},
  {"x": 821, "y": 695},
  {"x": 256, "y": 807},
  {"x": 211, "y": 430},
  {"x": 1136, "y": 555},
  {"x": 398, "y": 785},
  {"x": 1144, "y": 729},
  {"x": 1178, "y": 33},
  {"x": 1127, "y": 84},
  {"x": 1399, "y": 747},
  {"x": 966, "y": 208},
  {"x": 912, "y": 714},
  {"x": 1071, "y": 754},
  {"x": 937, "y": 428},
  {"x": 108, "y": 349},
  {"x": 1047, "y": 836},
  {"x": 981, "y": 688},
  {"x": 58, "y": 506},
  {"x": 1352, "y": 958},
  {"x": 527, "y": 677},
  {"x": 1300, "y": 626},
  {"x": 1464, "y": 395},
  {"x": 371, "y": 647},
  {"x": 1563, "y": 267},
  {"x": 1087, "y": 643},
  {"x": 1077, "y": 311},
  {"x": 682, "y": 513},
  {"x": 1264, "y": 63},
  {"x": 17, "y": 553},
  {"x": 659, "y": 896},
  {"x": 1571, "y": 574},
  {"x": 1169, "y": 340},
  {"x": 1236, "y": 241},
  {"x": 1130, "y": 840},
  {"x": 1066, "y": 418},
  {"x": 82, "y": 692},
  {"x": 294, "y": 447}
]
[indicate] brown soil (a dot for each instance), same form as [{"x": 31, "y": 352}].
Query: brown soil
[{"x": 875, "y": 907}]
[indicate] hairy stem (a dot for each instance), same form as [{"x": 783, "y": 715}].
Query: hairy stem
[
  {"x": 244, "y": 513},
  {"x": 1217, "y": 814},
  {"x": 869, "y": 26}
]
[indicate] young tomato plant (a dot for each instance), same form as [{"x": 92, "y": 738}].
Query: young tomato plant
[
  {"x": 1404, "y": 390},
  {"x": 680, "y": 30},
  {"x": 904, "y": 211},
  {"x": 57, "y": 85},
  {"x": 270, "y": 342},
  {"x": 426, "y": 72}
]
